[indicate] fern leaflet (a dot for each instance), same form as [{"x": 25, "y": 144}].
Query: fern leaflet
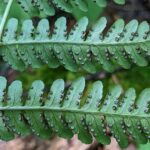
[
  {"x": 66, "y": 113},
  {"x": 123, "y": 45},
  {"x": 47, "y": 7}
]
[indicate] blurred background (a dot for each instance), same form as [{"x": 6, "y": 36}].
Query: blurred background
[{"x": 136, "y": 77}]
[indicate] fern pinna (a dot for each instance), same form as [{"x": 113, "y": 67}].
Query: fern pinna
[
  {"x": 34, "y": 46},
  {"x": 48, "y": 7},
  {"x": 89, "y": 114}
]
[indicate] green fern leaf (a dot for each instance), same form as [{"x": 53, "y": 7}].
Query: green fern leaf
[
  {"x": 122, "y": 45},
  {"x": 13, "y": 118},
  {"x": 47, "y": 7},
  {"x": 93, "y": 115}
]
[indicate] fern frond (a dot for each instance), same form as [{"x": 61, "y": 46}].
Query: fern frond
[
  {"x": 70, "y": 112},
  {"x": 122, "y": 45},
  {"x": 47, "y": 7}
]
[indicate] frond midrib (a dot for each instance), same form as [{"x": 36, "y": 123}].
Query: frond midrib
[
  {"x": 74, "y": 111},
  {"x": 73, "y": 43}
]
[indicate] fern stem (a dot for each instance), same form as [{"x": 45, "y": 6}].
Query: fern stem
[
  {"x": 44, "y": 108},
  {"x": 5, "y": 17},
  {"x": 72, "y": 43}
]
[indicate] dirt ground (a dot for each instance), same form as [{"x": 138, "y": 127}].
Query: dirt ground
[{"x": 31, "y": 143}]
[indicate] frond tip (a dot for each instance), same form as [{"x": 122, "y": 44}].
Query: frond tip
[
  {"x": 122, "y": 45},
  {"x": 91, "y": 116}
]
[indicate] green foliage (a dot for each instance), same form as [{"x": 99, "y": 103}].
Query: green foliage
[
  {"x": 133, "y": 78},
  {"x": 47, "y": 7},
  {"x": 127, "y": 78},
  {"x": 45, "y": 74},
  {"x": 93, "y": 12},
  {"x": 2, "y": 8},
  {"x": 144, "y": 147},
  {"x": 88, "y": 111},
  {"x": 60, "y": 112},
  {"x": 122, "y": 45},
  {"x": 15, "y": 10}
]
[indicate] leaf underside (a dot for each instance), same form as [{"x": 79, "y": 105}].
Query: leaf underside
[
  {"x": 81, "y": 48},
  {"x": 60, "y": 112},
  {"x": 48, "y": 7}
]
